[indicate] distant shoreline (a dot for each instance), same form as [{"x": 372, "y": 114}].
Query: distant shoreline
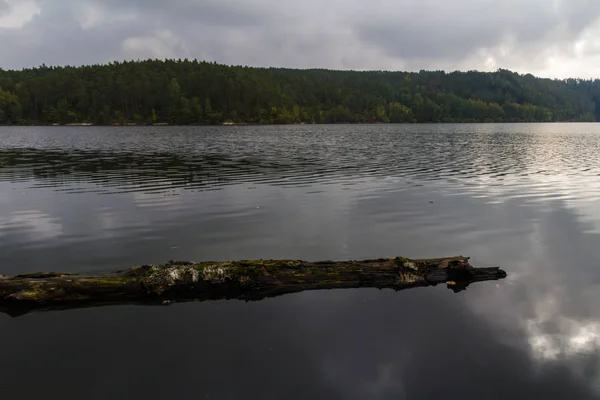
[
  {"x": 131, "y": 124},
  {"x": 186, "y": 92}
]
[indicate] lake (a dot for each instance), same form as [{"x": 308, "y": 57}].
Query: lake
[{"x": 525, "y": 197}]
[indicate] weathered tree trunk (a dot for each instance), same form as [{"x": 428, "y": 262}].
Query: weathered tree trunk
[{"x": 245, "y": 280}]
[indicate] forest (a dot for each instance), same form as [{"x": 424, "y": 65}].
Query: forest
[{"x": 182, "y": 92}]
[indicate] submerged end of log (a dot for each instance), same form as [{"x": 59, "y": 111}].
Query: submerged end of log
[{"x": 179, "y": 281}]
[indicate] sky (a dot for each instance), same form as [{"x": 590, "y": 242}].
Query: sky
[{"x": 552, "y": 38}]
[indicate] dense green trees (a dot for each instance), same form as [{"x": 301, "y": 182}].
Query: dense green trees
[
  {"x": 193, "y": 92},
  {"x": 10, "y": 107}
]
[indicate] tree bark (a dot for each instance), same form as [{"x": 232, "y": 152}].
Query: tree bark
[{"x": 179, "y": 281}]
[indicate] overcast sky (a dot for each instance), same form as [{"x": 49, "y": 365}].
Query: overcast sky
[{"x": 555, "y": 38}]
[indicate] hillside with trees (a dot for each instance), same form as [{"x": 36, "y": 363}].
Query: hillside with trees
[{"x": 195, "y": 92}]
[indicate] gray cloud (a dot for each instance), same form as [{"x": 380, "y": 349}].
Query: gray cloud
[
  {"x": 552, "y": 38},
  {"x": 453, "y": 30},
  {"x": 212, "y": 12}
]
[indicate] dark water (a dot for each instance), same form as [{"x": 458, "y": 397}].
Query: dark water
[{"x": 524, "y": 197}]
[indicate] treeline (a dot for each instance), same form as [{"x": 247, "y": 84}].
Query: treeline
[{"x": 194, "y": 92}]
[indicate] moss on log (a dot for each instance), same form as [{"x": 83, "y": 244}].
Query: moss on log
[{"x": 179, "y": 281}]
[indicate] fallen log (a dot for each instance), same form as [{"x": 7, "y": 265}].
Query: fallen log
[{"x": 179, "y": 281}]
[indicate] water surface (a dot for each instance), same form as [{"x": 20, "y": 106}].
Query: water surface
[{"x": 525, "y": 197}]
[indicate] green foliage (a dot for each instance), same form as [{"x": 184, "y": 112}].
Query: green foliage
[
  {"x": 399, "y": 112},
  {"x": 193, "y": 92},
  {"x": 10, "y": 108}
]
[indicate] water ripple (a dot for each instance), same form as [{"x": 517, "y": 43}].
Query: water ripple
[{"x": 534, "y": 159}]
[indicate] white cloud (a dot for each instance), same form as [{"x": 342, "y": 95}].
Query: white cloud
[
  {"x": 161, "y": 44},
  {"x": 19, "y": 13},
  {"x": 92, "y": 15}
]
